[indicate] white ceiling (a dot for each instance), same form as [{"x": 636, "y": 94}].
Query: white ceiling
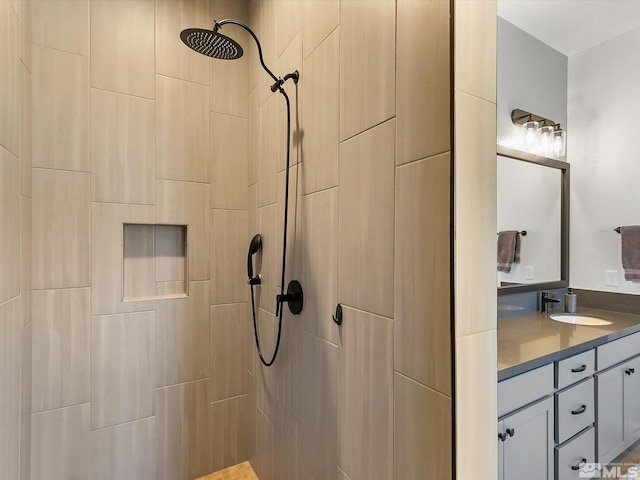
[{"x": 571, "y": 26}]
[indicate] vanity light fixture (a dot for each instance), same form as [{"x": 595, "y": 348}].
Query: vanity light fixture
[{"x": 541, "y": 135}]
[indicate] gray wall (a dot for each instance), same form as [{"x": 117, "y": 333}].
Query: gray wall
[{"x": 531, "y": 76}]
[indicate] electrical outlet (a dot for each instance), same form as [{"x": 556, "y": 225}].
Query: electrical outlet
[
  {"x": 611, "y": 278},
  {"x": 529, "y": 272}
]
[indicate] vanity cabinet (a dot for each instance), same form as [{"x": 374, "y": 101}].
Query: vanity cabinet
[
  {"x": 525, "y": 446},
  {"x": 618, "y": 409},
  {"x": 546, "y": 430}
]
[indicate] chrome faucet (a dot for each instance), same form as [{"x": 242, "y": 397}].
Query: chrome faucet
[{"x": 545, "y": 300}]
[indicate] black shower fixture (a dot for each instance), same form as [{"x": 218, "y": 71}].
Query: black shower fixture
[{"x": 215, "y": 45}]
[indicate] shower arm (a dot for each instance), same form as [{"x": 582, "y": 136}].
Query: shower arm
[{"x": 278, "y": 81}]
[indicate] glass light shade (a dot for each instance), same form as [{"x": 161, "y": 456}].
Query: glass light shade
[
  {"x": 546, "y": 140},
  {"x": 531, "y": 136},
  {"x": 559, "y": 143}
]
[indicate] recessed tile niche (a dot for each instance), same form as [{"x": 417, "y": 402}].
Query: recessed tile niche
[{"x": 155, "y": 261}]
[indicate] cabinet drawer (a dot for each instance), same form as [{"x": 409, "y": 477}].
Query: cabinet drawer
[
  {"x": 574, "y": 410},
  {"x": 615, "y": 352},
  {"x": 523, "y": 389},
  {"x": 580, "y": 452},
  {"x": 572, "y": 369}
]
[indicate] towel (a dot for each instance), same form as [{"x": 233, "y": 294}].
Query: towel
[
  {"x": 630, "y": 237},
  {"x": 508, "y": 249}
]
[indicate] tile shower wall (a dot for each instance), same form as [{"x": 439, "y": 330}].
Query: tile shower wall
[
  {"x": 16, "y": 328},
  {"x": 369, "y": 228},
  {"x": 129, "y": 127}
]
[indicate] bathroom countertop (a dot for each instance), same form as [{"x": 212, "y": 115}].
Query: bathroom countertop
[{"x": 531, "y": 340}]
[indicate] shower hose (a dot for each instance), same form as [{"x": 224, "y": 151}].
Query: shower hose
[{"x": 279, "y": 306}]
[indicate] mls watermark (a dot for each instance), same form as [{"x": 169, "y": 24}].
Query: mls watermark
[{"x": 613, "y": 470}]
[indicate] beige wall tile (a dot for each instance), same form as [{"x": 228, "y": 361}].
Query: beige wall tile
[
  {"x": 185, "y": 203},
  {"x": 287, "y": 447},
  {"x": 118, "y": 28},
  {"x": 320, "y": 18},
  {"x": 10, "y": 346},
  {"x": 61, "y": 348},
  {"x": 475, "y": 47},
  {"x": 422, "y": 323},
  {"x": 265, "y": 464},
  {"x": 229, "y": 432},
  {"x": 139, "y": 280},
  {"x": 342, "y": 475},
  {"x": 229, "y": 80},
  {"x": 252, "y": 411},
  {"x": 60, "y": 110},
  {"x": 182, "y": 130},
  {"x": 26, "y": 136},
  {"x": 229, "y": 162},
  {"x": 61, "y": 229},
  {"x": 266, "y": 31},
  {"x": 288, "y": 20},
  {"x": 182, "y": 337},
  {"x": 61, "y": 24},
  {"x": 289, "y": 62},
  {"x": 229, "y": 246},
  {"x": 60, "y": 443},
  {"x": 475, "y": 200},
  {"x": 25, "y": 9},
  {"x": 366, "y": 220},
  {"x": 365, "y": 398},
  {"x": 107, "y": 221},
  {"x": 423, "y": 424},
  {"x": 122, "y": 148},
  {"x": 254, "y": 139},
  {"x": 269, "y": 381},
  {"x": 321, "y": 115},
  {"x": 229, "y": 350},
  {"x": 319, "y": 406},
  {"x": 367, "y": 64},
  {"x": 423, "y": 90},
  {"x": 268, "y": 150},
  {"x": 124, "y": 451},
  {"x": 9, "y": 79},
  {"x": 476, "y": 391},
  {"x": 25, "y": 259},
  {"x": 122, "y": 353},
  {"x": 320, "y": 263},
  {"x": 25, "y": 406},
  {"x": 183, "y": 435},
  {"x": 9, "y": 225},
  {"x": 174, "y": 58}
]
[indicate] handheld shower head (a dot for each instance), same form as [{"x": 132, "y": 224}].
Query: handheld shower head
[{"x": 211, "y": 43}]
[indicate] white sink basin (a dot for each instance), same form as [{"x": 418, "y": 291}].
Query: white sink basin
[{"x": 579, "y": 319}]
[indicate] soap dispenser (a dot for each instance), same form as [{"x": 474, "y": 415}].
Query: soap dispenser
[{"x": 570, "y": 301}]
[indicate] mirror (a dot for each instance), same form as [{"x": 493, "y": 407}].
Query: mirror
[
  {"x": 533, "y": 195},
  {"x": 576, "y": 63}
]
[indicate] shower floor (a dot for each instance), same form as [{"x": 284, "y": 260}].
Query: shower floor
[{"x": 242, "y": 471}]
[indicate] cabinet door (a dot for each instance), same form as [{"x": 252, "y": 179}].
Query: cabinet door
[
  {"x": 632, "y": 401},
  {"x": 610, "y": 423},
  {"x": 528, "y": 451}
]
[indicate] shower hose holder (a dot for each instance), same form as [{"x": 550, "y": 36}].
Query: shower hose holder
[{"x": 294, "y": 298}]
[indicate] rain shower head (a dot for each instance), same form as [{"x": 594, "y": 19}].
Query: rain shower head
[{"x": 211, "y": 43}]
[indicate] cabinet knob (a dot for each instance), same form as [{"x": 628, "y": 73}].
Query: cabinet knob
[
  {"x": 629, "y": 371},
  {"x": 579, "y": 465},
  {"x": 502, "y": 436},
  {"x": 579, "y": 369},
  {"x": 511, "y": 432},
  {"x": 580, "y": 410}
]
